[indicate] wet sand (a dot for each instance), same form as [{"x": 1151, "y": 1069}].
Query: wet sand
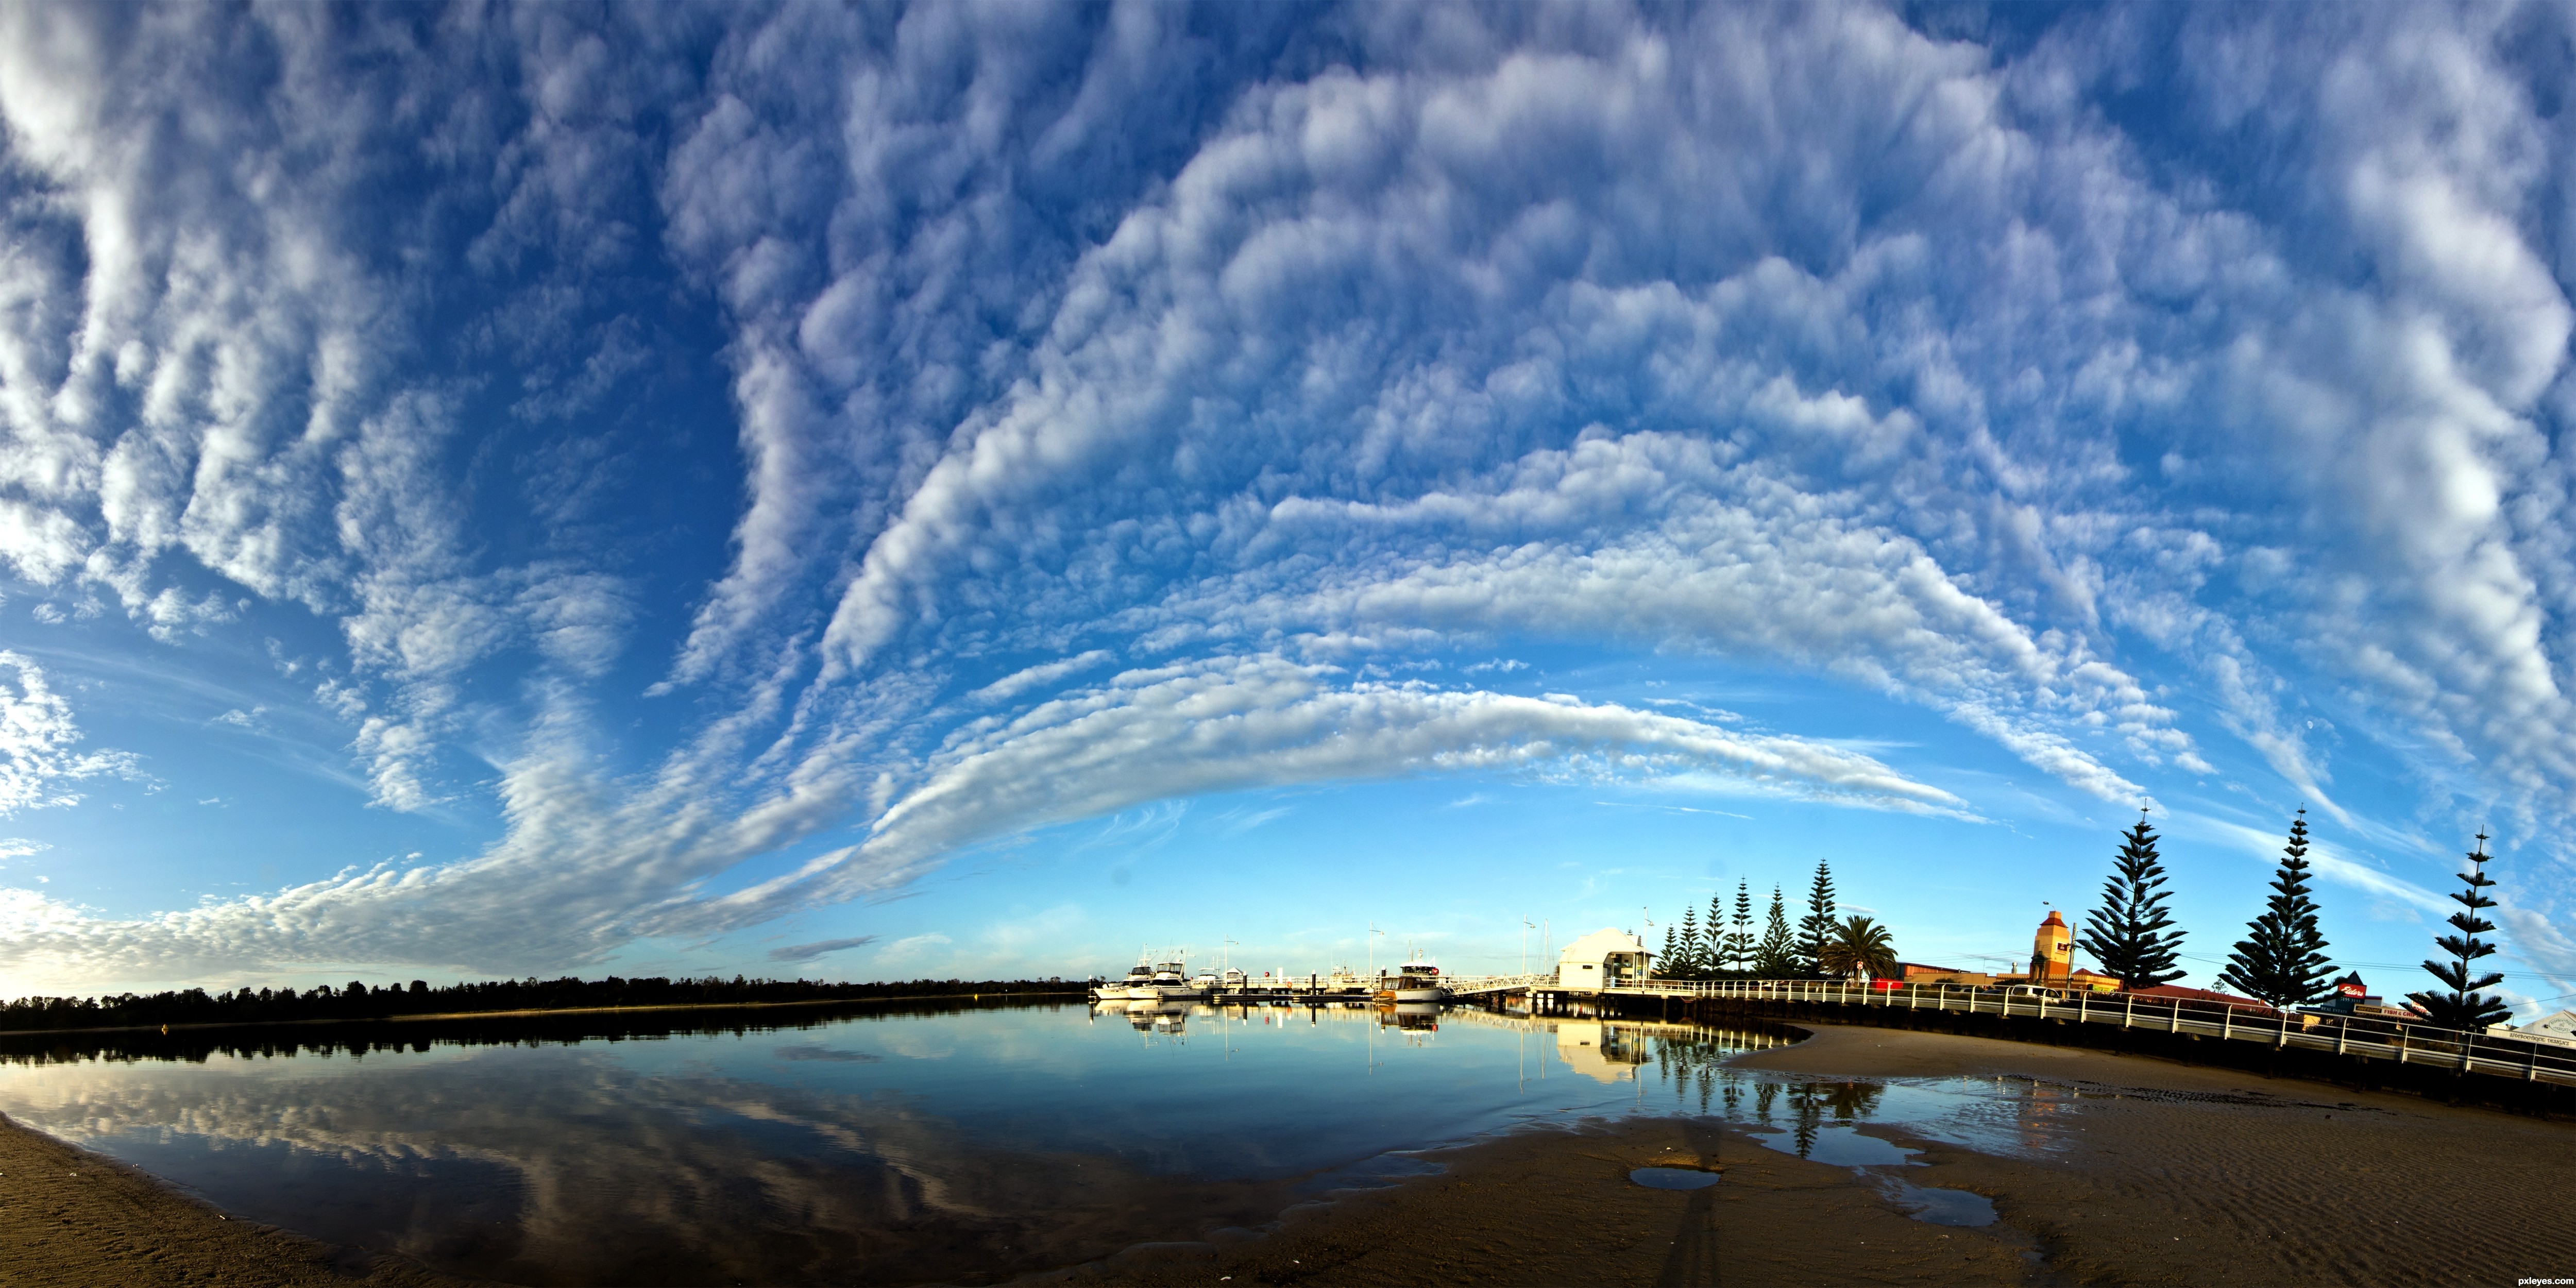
[
  {"x": 2160, "y": 1173},
  {"x": 68, "y": 1216}
]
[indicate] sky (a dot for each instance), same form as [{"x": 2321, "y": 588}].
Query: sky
[{"x": 988, "y": 490}]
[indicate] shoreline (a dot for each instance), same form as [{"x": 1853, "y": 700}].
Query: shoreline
[
  {"x": 75, "y": 1217},
  {"x": 2111, "y": 1168},
  {"x": 2131, "y": 1169}
]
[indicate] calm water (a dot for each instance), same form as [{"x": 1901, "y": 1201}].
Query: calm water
[{"x": 888, "y": 1146}]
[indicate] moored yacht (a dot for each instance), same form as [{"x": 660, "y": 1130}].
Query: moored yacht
[
  {"x": 1139, "y": 976},
  {"x": 1171, "y": 983},
  {"x": 1416, "y": 981}
]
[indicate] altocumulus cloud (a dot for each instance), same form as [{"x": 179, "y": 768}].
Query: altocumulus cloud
[{"x": 1112, "y": 397}]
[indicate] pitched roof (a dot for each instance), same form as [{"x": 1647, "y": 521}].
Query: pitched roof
[{"x": 1599, "y": 944}]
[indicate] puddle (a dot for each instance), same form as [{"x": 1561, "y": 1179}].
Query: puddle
[
  {"x": 1673, "y": 1178},
  {"x": 1840, "y": 1146},
  {"x": 1938, "y": 1206},
  {"x": 2009, "y": 1117},
  {"x": 1820, "y": 1121}
]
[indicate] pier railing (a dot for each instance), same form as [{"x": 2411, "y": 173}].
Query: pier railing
[{"x": 2368, "y": 1036}]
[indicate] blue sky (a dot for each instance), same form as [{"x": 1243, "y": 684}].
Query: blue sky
[{"x": 975, "y": 489}]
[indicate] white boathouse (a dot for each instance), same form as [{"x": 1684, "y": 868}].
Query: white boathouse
[{"x": 1603, "y": 959}]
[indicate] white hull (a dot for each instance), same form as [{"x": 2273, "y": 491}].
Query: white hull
[{"x": 1422, "y": 995}]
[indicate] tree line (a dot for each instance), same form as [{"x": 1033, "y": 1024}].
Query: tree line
[
  {"x": 1820, "y": 945},
  {"x": 356, "y": 1001},
  {"x": 2282, "y": 961}
]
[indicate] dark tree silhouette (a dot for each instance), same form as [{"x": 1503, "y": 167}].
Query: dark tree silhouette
[
  {"x": 1859, "y": 947},
  {"x": 359, "y": 1002},
  {"x": 2127, "y": 934},
  {"x": 1816, "y": 929},
  {"x": 1739, "y": 945},
  {"x": 1691, "y": 960},
  {"x": 2464, "y": 1007},
  {"x": 1777, "y": 955},
  {"x": 2282, "y": 959}
]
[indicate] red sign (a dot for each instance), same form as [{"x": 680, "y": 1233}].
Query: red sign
[{"x": 2350, "y": 990}]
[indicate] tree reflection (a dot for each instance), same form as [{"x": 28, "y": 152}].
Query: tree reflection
[{"x": 1811, "y": 1102}]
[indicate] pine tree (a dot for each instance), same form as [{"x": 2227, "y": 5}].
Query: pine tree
[
  {"x": 1777, "y": 955},
  {"x": 1670, "y": 961},
  {"x": 1816, "y": 929},
  {"x": 1714, "y": 945},
  {"x": 1687, "y": 962},
  {"x": 2464, "y": 1007},
  {"x": 1740, "y": 944},
  {"x": 2127, "y": 934},
  {"x": 2282, "y": 959}
]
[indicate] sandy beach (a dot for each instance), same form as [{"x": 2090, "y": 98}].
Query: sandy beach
[{"x": 2152, "y": 1173}]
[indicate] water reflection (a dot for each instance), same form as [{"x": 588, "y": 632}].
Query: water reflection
[
  {"x": 947, "y": 1144},
  {"x": 950, "y": 1142}
]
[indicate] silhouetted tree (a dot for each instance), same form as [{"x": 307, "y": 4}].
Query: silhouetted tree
[
  {"x": 1817, "y": 927},
  {"x": 1739, "y": 945},
  {"x": 322, "y": 1002},
  {"x": 2127, "y": 934},
  {"x": 2282, "y": 959},
  {"x": 2464, "y": 1007},
  {"x": 1670, "y": 963},
  {"x": 1776, "y": 956},
  {"x": 1860, "y": 946},
  {"x": 1690, "y": 945}
]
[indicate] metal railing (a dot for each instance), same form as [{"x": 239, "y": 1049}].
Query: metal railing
[
  {"x": 2368, "y": 1036},
  {"x": 1469, "y": 985}
]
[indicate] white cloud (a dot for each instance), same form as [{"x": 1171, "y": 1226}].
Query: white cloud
[
  {"x": 1715, "y": 558},
  {"x": 1045, "y": 673},
  {"x": 1257, "y": 721},
  {"x": 37, "y": 736}
]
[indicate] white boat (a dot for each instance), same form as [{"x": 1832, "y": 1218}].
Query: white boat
[
  {"x": 1142, "y": 986},
  {"x": 1124, "y": 990},
  {"x": 1112, "y": 990},
  {"x": 1416, "y": 981},
  {"x": 1171, "y": 983}
]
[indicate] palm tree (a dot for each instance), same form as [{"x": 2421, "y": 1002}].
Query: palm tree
[{"x": 1859, "y": 946}]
